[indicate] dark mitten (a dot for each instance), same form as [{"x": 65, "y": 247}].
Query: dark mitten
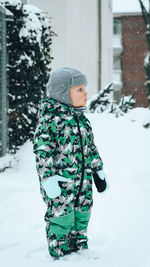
[{"x": 99, "y": 183}]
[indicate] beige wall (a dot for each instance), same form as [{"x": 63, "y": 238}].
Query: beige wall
[{"x": 76, "y": 24}]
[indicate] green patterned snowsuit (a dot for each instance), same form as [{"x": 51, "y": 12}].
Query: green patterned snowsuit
[{"x": 64, "y": 145}]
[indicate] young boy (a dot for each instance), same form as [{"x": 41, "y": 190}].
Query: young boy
[{"x": 66, "y": 159}]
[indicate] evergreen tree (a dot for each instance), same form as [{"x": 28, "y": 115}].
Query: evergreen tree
[
  {"x": 127, "y": 103},
  {"x": 101, "y": 102},
  {"x": 29, "y": 39}
]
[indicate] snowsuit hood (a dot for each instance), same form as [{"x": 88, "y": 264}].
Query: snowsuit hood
[{"x": 51, "y": 106}]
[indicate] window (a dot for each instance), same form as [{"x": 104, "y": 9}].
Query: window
[
  {"x": 117, "y": 26},
  {"x": 117, "y": 62}
]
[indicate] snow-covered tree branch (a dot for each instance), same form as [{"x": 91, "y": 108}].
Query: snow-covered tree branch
[{"x": 29, "y": 39}]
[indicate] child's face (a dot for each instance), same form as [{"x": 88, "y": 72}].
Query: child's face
[{"x": 78, "y": 96}]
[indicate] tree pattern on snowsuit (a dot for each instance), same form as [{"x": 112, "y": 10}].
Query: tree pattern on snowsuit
[{"x": 58, "y": 151}]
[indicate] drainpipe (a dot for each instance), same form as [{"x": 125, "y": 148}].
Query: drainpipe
[{"x": 99, "y": 45}]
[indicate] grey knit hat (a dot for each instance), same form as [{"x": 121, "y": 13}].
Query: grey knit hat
[{"x": 60, "y": 82}]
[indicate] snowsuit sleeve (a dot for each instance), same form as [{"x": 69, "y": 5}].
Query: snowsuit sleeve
[
  {"x": 96, "y": 161},
  {"x": 44, "y": 146}
]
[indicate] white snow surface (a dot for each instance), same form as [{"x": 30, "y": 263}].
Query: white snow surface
[
  {"x": 119, "y": 231},
  {"x": 121, "y": 6},
  {"x": 31, "y": 9}
]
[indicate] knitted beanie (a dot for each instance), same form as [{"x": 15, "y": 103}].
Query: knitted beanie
[{"x": 60, "y": 82}]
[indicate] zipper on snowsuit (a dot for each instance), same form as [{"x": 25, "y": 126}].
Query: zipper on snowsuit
[{"x": 82, "y": 175}]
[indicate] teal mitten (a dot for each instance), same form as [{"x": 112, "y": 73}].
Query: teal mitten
[{"x": 51, "y": 185}]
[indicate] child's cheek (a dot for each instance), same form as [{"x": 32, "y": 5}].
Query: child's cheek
[{"x": 80, "y": 96}]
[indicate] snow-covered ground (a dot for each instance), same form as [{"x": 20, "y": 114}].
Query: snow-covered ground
[{"x": 119, "y": 230}]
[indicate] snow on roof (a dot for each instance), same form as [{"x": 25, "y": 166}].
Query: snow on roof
[
  {"x": 128, "y": 6},
  {"x": 6, "y": 11}
]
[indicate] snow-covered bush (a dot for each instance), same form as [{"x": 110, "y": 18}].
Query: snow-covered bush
[
  {"x": 126, "y": 103},
  {"x": 29, "y": 39},
  {"x": 101, "y": 102}
]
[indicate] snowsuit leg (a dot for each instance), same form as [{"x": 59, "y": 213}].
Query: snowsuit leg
[
  {"x": 78, "y": 234},
  {"x": 67, "y": 232},
  {"x": 57, "y": 231}
]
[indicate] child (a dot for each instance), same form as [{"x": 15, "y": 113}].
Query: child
[{"x": 66, "y": 160}]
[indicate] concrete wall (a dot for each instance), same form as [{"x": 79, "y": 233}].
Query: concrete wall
[{"x": 106, "y": 42}]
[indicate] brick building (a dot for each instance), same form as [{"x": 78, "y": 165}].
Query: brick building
[{"x": 130, "y": 49}]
